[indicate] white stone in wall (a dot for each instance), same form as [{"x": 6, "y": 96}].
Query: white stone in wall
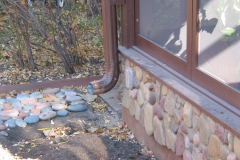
[
  {"x": 195, "y": 123},
  {"x": 138, "y": 73},
  {"x": 170, "y": 103},
  {"x": 126, "y": 99},
  {"x": 230, "y": 141},
  {"x": 214, "y": 147},
  {"x": 136, "y": 83},
  {"x": 232, "y": 156},
  {"x": 179, "y": 101},
  {"x": 196, "y": 111},
  {"x": 196, "y": 140},
  {"x": 148, "y": 119},
  {"x": 236, "y": 146},
  {"x": 146, "y": 91},
  {"x": 212, "y": 124},
  {"x": 188, "y": 114},
  {"x": 143, "y": 88},
  {"x": 224, "y": 152},
  {"x": 187, "y": 155},
  {"x": 144, "y": 79},
  {"x": 142, "y": 115},
  {"x": 137, "y": 110},
  {"x": 134, "y": 93},
  {"x": 127, "y": 64},
  {"x": 187, "y": 142},
  {"x": 132, "y": 107},
  {"x": 140, "y": 98},
  {"x": 204, "y": 130},
  {"x": 171, "y": 139},
  {"x": 196, "y": 154},
  {"x": 132, "y": 64},
  {"x": 164, "y": 90},
  {"x": 191, "y": 133},
  {"x": 167, "y": 121},
  {"x": 159, "y": 131}
]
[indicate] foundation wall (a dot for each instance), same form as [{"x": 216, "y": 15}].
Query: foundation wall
[{"x": 173, "y": 128}]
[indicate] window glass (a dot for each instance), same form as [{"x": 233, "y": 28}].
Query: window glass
[
  {"x": 219, "y": 40},
  {"x": 164, "y": 22}
]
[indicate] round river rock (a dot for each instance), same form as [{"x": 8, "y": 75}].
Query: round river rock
[
  {"x": 62, "y": 113},
  {"x": 47, "y": 115},
  {"x": 77, "y": 108},
  {"x": 31, "y": 119}
]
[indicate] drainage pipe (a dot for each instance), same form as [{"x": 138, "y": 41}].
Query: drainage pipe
[{"x": 108, "y": 81}]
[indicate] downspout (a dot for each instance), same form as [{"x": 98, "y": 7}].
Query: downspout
[{"x": 108, "y": 81}]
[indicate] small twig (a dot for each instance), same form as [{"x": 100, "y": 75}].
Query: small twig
[{"x": 39, "y": 45}]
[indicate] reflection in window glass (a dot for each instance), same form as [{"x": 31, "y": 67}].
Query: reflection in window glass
[
  {"x": 219, "y": 40},
  {"x": 164, "y": 23}
]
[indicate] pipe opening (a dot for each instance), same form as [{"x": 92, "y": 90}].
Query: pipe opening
[{"x": 90, "y": 88}]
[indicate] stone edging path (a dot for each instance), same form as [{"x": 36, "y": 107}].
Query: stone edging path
[{"x": 26, "y": 108}]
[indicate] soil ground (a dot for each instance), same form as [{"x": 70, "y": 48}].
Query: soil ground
[{"x": 73, "y": 140}]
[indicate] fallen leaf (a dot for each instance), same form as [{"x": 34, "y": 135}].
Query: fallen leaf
[{"x": 43, "y": 129}]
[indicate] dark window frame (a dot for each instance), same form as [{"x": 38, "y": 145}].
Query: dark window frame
[{"x": 131, "y": 37}]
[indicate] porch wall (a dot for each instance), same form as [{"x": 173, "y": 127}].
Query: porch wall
[{"x": 170, "y": 126}]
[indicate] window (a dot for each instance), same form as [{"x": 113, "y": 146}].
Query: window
[{"x": 199, "y": 39}]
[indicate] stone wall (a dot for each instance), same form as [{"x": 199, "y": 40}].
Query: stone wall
[{"x": 174, "y": 122}]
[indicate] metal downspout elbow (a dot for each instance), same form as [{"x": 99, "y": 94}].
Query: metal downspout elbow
[{"x": 108, "y": 81}]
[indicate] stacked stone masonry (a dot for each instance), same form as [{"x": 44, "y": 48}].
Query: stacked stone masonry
[{"x": 174, "y": 122}]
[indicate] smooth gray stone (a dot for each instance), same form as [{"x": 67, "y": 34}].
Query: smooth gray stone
[
  {"x": 46, "y": 109},
  {"x": 73, "y": 98},
  {"x": 22, "y": 96},
  {"x": 78, "y": 102},
  {"x": 71, "y": 93},
  {"x": 12, "y": 100},
  {"x": 36, "y": 95},
  {"x": 62, "y": 113},
  {"x": 10, "y": 123},
  {"x": 28, "y": 107},
  {"x": 2, "y": 101},
  {"x": 60, "y": 95},
  {"x": 1, "y": 122},
  {"x": 31, "y": 119},
  {"x": 77, "y": 108},
  {"x": 47, "y": 115},
  {"x": 21, "y": 123},
  {"x": 17, "y": 104}
]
